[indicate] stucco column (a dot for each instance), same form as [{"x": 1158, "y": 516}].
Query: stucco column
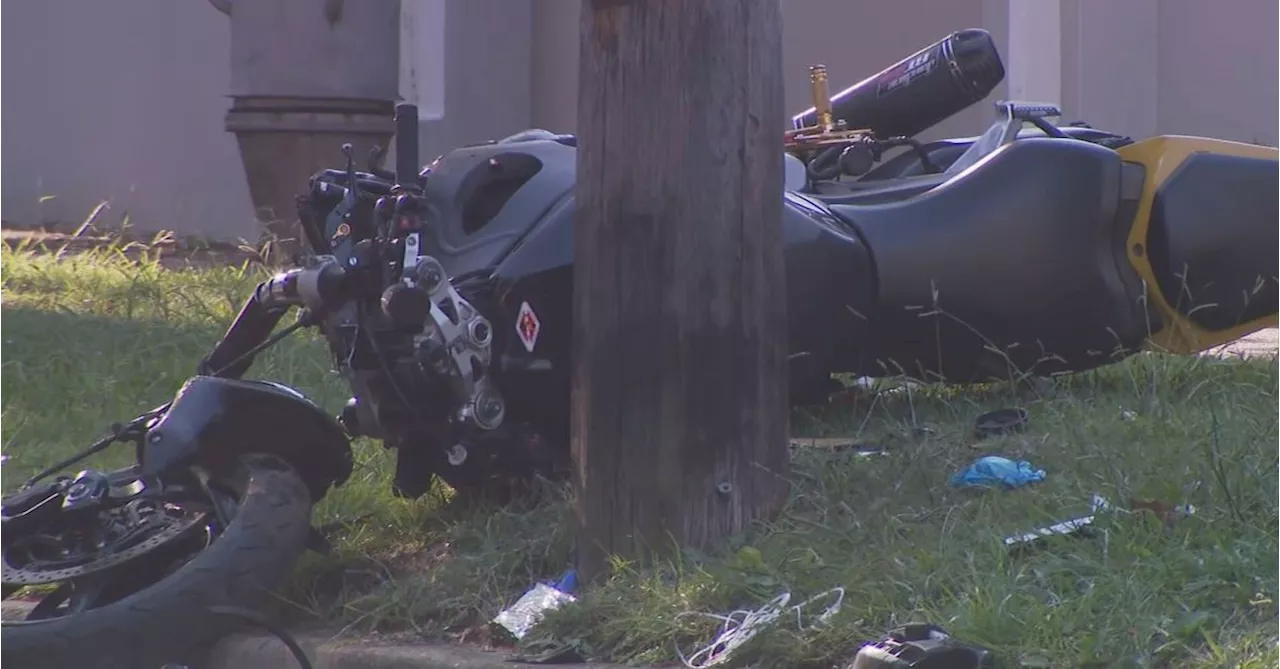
[
  {"x": 422, "y": 53},
  {"x": 1034, "y": 57},
  {"x": 1110, "y": 65}
]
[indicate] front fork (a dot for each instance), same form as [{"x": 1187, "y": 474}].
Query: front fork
[
  {"x": 315, "y": 288},
  {"x": 235, "y": 352},
  {"x": 231, "y": 357}
]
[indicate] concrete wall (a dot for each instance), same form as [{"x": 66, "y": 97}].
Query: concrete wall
[
  {"x": 120, "y": 101},
  {"x": 124, "y": 101},
  {"x": 487, "y": 92},
  {"x": 1219, "y": 69},
  {"x": 853, "y": 39},
  {"x": 1112, "y": 87}
]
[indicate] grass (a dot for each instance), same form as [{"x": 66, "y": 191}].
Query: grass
[{"x": 94, "y": 337}]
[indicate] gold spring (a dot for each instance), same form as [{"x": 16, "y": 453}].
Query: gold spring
[{"x": 821, "y": 97}]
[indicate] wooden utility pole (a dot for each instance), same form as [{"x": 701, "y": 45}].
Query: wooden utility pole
[{"x": 679, "y": 409}]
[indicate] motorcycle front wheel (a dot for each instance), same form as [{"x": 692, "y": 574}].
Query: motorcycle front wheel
[{"x": 155, "y": 607}]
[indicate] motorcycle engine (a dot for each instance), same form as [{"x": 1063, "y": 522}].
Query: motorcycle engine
[{"x": 415, "y": 352}]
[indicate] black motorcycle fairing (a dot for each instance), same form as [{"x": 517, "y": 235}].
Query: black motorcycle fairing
[
  {"x": 482, "y": 200},
  {"x": 830, "y": 277},
  {"x": 1014, "y": 266},
  {"x": 1210, "y": 239},
  {"x": 214, "y": 420}
]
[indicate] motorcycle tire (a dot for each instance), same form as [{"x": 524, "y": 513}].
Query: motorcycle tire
[{"x": 171, "y": 619}]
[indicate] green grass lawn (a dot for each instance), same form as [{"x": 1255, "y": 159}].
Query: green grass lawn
[{"x": 94, "y": 338}]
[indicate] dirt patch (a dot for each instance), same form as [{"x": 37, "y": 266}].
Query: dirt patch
[{"x": 172, "y": 253}]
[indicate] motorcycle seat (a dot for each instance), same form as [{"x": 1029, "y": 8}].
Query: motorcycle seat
[
  {"x": 878, "y": 192},
  {"x": 1025, "y": 246}
]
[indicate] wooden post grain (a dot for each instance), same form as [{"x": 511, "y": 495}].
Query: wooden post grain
[{"x": 679, "y": 414}]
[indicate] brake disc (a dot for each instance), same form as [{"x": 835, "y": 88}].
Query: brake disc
[{"x": 175, "y": 527}]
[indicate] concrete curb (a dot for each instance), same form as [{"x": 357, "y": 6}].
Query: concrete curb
[
  {"x": 1261, "y": 344},
  {"x": 268, "y": 652}
]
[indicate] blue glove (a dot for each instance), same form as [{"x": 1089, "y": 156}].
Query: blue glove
[{"x": 994, "y": 471}]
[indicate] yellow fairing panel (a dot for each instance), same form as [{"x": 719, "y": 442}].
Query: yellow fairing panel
[{"x": 1212, "y": 202}]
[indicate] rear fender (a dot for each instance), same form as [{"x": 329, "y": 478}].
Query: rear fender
[{"x": 214, "y": 420}]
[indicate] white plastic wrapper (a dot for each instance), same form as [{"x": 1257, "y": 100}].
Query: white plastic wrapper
[
  {"x": 520, "y": 617},
  {"x": 1059, "y": 529}
]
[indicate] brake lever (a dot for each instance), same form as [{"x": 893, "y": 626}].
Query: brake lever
[{"x": 377, "y": 156}]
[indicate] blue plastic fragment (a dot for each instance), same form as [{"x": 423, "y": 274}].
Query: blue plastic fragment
[
  {"x": 568, "y": 582},
  {"x": 994, "y": 471}
]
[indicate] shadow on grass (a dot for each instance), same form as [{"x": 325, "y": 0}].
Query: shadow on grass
[{"x": 67, "y": 376}]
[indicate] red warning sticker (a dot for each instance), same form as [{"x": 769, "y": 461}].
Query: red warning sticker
[{"x": 527, "y": 326}]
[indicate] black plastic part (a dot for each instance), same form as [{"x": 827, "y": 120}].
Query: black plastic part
[
  {"x": 1009, "y": 268},
  {"x": 312, "y": 224},
  {"x": 415, "y": 471},
  {"x": 407, "y": 144},
  {"x": 829, "y": 273},
  {"x": 1000, "y": 421},
  {"x": 471, "y": 229},
  {"x": 349, "y": 418},
  {"x": 27, "y": 509},
  {"x": 215, "y": 420},
  {"x": 318, "y": 543},
  {"x": 922, "y": 89},
  {"x": 1212, "y": 239},
  {"x": 922, "y": 646},
  {"x": 406, "y": 307}
]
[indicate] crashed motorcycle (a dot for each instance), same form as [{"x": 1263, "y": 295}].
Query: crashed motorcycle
[{"x": 444, "y": 295}]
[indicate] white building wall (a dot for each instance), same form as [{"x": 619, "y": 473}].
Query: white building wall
[{"x": 124, "y": 101}]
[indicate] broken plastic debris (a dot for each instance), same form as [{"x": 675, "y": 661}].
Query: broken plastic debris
[
  {"x": 1162, "y": 510},
  {"x": 994, "y": 470},
  {"x": 1066, "y": 528},
  {"x": 740, "y": 626},
  {"x": 839, "y": 445},
  {"x": 922, "y": 645},
  {"x": 521, "y": 617}
]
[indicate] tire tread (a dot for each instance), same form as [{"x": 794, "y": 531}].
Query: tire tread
[{"x": 166, "y": 621}]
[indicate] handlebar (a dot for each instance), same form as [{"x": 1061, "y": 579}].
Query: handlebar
[
  {"x": 317, "y": 287},
  {"x": 329, "y": 183}
]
